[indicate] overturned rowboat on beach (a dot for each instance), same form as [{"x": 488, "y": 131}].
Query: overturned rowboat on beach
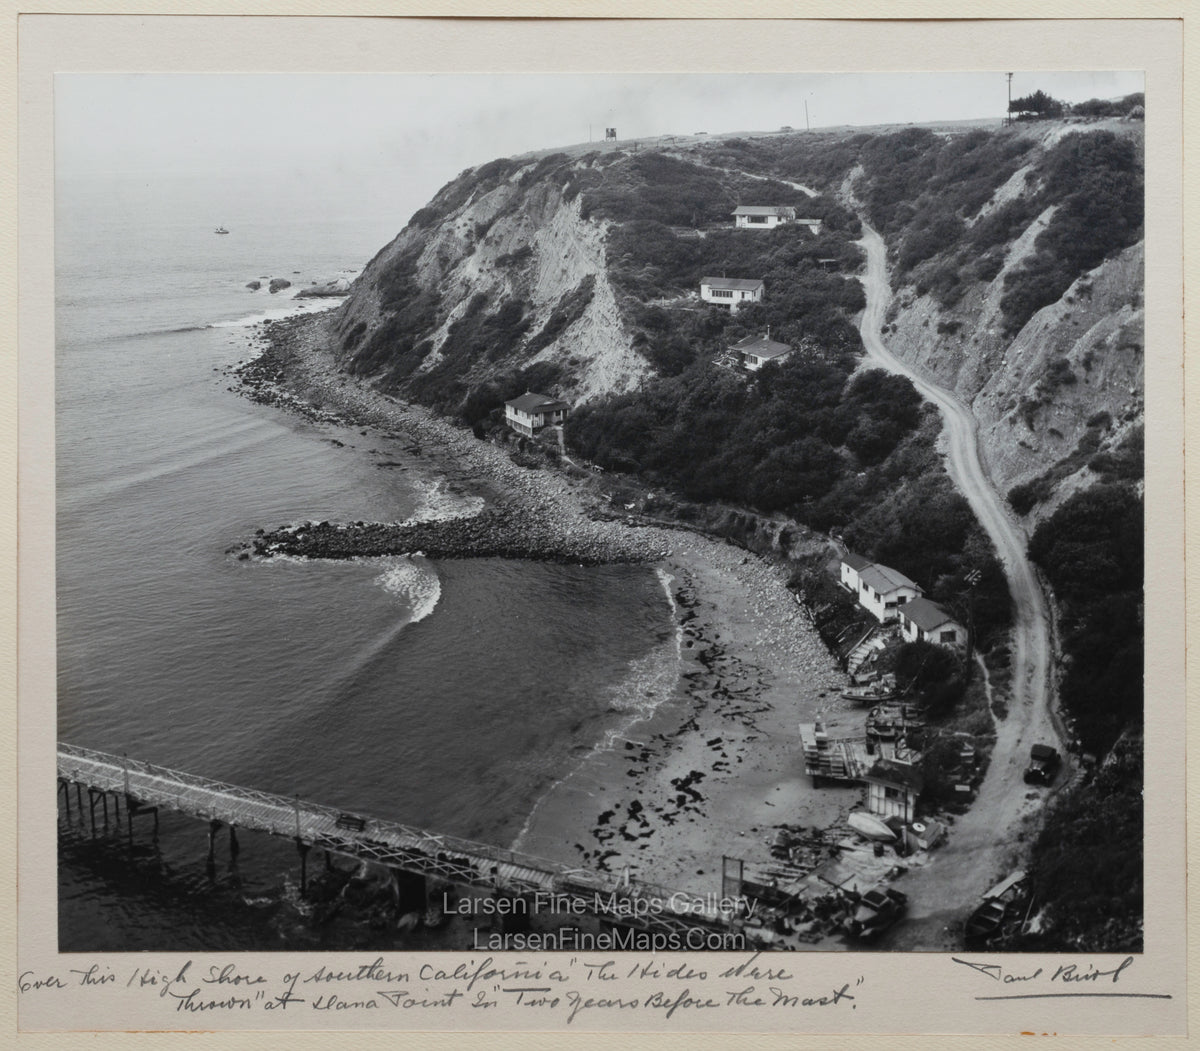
[{"x": 870, "y": 826}]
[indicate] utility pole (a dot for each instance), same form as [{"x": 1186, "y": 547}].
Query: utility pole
[
  {"x": 806, "y": 127},
  {"x": 1008, "y": 112}
]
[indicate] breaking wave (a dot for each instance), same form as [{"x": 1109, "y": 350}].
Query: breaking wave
[
  {"x": 436, "y": 503},
  {"x": 653, "y": 678},
  {"x": 413, "y": 579}
]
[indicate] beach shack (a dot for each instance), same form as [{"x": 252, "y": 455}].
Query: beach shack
[
  {"x": 731, "y": 292},
  {"x": 754, "y": 352},
  {"x": 883, "y": 590},
  {"x": 529, "y": 413},
  {"x": 926, "y": 621},
  {"x": 893, "y": 787}
]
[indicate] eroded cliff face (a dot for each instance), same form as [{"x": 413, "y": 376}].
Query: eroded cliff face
[
  {"x": 514, "y": 271},
  {"x": 1069, "y": 385}
]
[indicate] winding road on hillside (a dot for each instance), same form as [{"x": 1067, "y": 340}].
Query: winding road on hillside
[{"x": 983, "y": 844}]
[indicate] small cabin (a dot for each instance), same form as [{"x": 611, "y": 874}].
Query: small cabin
[
  {"x": 529, "y": 413},
  {"x": 762, "y": 216},
  {"x": 731, "y": 292},
  {"x": 754, "y": 352},
  {"x": 882, "y": 591},
  {"x": 893, "y": 788},
  {"x": 922, "y": 620}
]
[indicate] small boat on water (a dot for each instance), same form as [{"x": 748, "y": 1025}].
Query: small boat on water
[
  {"x": 870, "y": 826},
  {"x": 220, "y": 230}
]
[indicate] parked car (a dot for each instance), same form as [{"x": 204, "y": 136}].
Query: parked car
[
  {"x": 1044, "y": 762},
  {"x": 877, "y": 910}
]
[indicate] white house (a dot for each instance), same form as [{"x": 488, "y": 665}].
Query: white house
[
  {"x": 852, "y": 565},
  {"x": 755, "y": 351},
  {"x": 529, "y": 413},
  {"x": 814, "y": 225},
  {"x": 893, "y": 788},
  {"x": 762, "y": 216},
  {"x": 923, "y": 620},
  {"x": 883, "y": 590},
  {"x": 731, "y": 292}
]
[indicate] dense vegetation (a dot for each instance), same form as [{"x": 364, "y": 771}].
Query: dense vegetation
[
  {"x": 1091, "y": 550},
  {"x": 1089, "y": 861},
  {"x": 926, "y": 194}
]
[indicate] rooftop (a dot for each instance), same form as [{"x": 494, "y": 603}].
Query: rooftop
[
  {"x": 765, "y": 209},
  {"x": 925, "y": 614},
  {"x": 855, "y": 562},
  {"x": 761, "y": 346},
  {"x": 531, "y": 402},
  {"x": 885, "y": 579},
  {"x": 893, "y": 772},
  {"x": 744, "y": 284}
]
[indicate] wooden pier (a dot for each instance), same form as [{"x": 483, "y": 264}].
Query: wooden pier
[{"x": 144, "y": 788}]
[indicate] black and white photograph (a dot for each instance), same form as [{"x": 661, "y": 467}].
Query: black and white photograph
[
  {"x": 707, "y": 537},
  {"x": 507, "y": 518}
]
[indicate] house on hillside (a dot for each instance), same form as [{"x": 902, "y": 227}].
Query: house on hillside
[
  {"x": 529, "y": 413},
  {"x": 754, "y": 352},
  {"x": 852, "y": 565},
  {"x": 814, "y": 225},
  {"x": 923, "y": 620},
  {"x": 731, "y": 292},
  {"x": 762, "y": 216},
  {"x": 893, "y": 787},
  {"x": 883, "y": 590}
]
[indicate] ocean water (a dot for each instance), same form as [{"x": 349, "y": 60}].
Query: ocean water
[{"x": 447, "y": 695}]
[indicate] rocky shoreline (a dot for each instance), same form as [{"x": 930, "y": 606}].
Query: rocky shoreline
[{"x": 530, "y": 514}]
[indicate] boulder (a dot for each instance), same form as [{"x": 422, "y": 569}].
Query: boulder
[
  {"x": 254, "y": 286},
  {"x": 278, "y": 283}
]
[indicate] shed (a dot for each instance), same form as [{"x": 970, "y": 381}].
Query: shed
[{"x": 893, "y": 788}]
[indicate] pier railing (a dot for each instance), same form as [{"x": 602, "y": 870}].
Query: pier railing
[{"x": 146, "y": 785}]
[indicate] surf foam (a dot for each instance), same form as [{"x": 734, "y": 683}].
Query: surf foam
[{"x": 413, "y": 579}]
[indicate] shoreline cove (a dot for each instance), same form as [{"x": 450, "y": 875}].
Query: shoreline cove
[{"x": 715, "y": 760}]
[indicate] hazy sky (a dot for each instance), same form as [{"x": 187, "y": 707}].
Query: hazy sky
[{"x": 406, "y": 135}]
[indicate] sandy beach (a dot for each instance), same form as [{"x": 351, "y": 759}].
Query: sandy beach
[{"x": 714, "y": 770}]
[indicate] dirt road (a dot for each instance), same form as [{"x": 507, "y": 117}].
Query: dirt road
[{"x": 984, "y": 842}]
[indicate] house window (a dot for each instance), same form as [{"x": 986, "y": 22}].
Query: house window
[
  {"x": 756, "y": 218},
  {"x": 724, "y": 293},
  {"x": 890, "y": 605},
  {"x": 891, "y": 793},
  {"x": 949, "y": 636}
]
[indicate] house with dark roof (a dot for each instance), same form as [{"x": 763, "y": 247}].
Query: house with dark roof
[
  {"x": 762, "y": 216},
  {"x": 731, "y": 292},
  {"x": 893, "y": 787},
  {"x": 754, "y": 352},
  {"x": 883, "y": 590},
  {"x": 852, "y": 565},
  {"x": 529, "y": 413},
  {"x": 926, "y": 621}
]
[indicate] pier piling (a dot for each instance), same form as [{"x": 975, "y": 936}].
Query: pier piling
[{"x": 302, "y": 849}]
